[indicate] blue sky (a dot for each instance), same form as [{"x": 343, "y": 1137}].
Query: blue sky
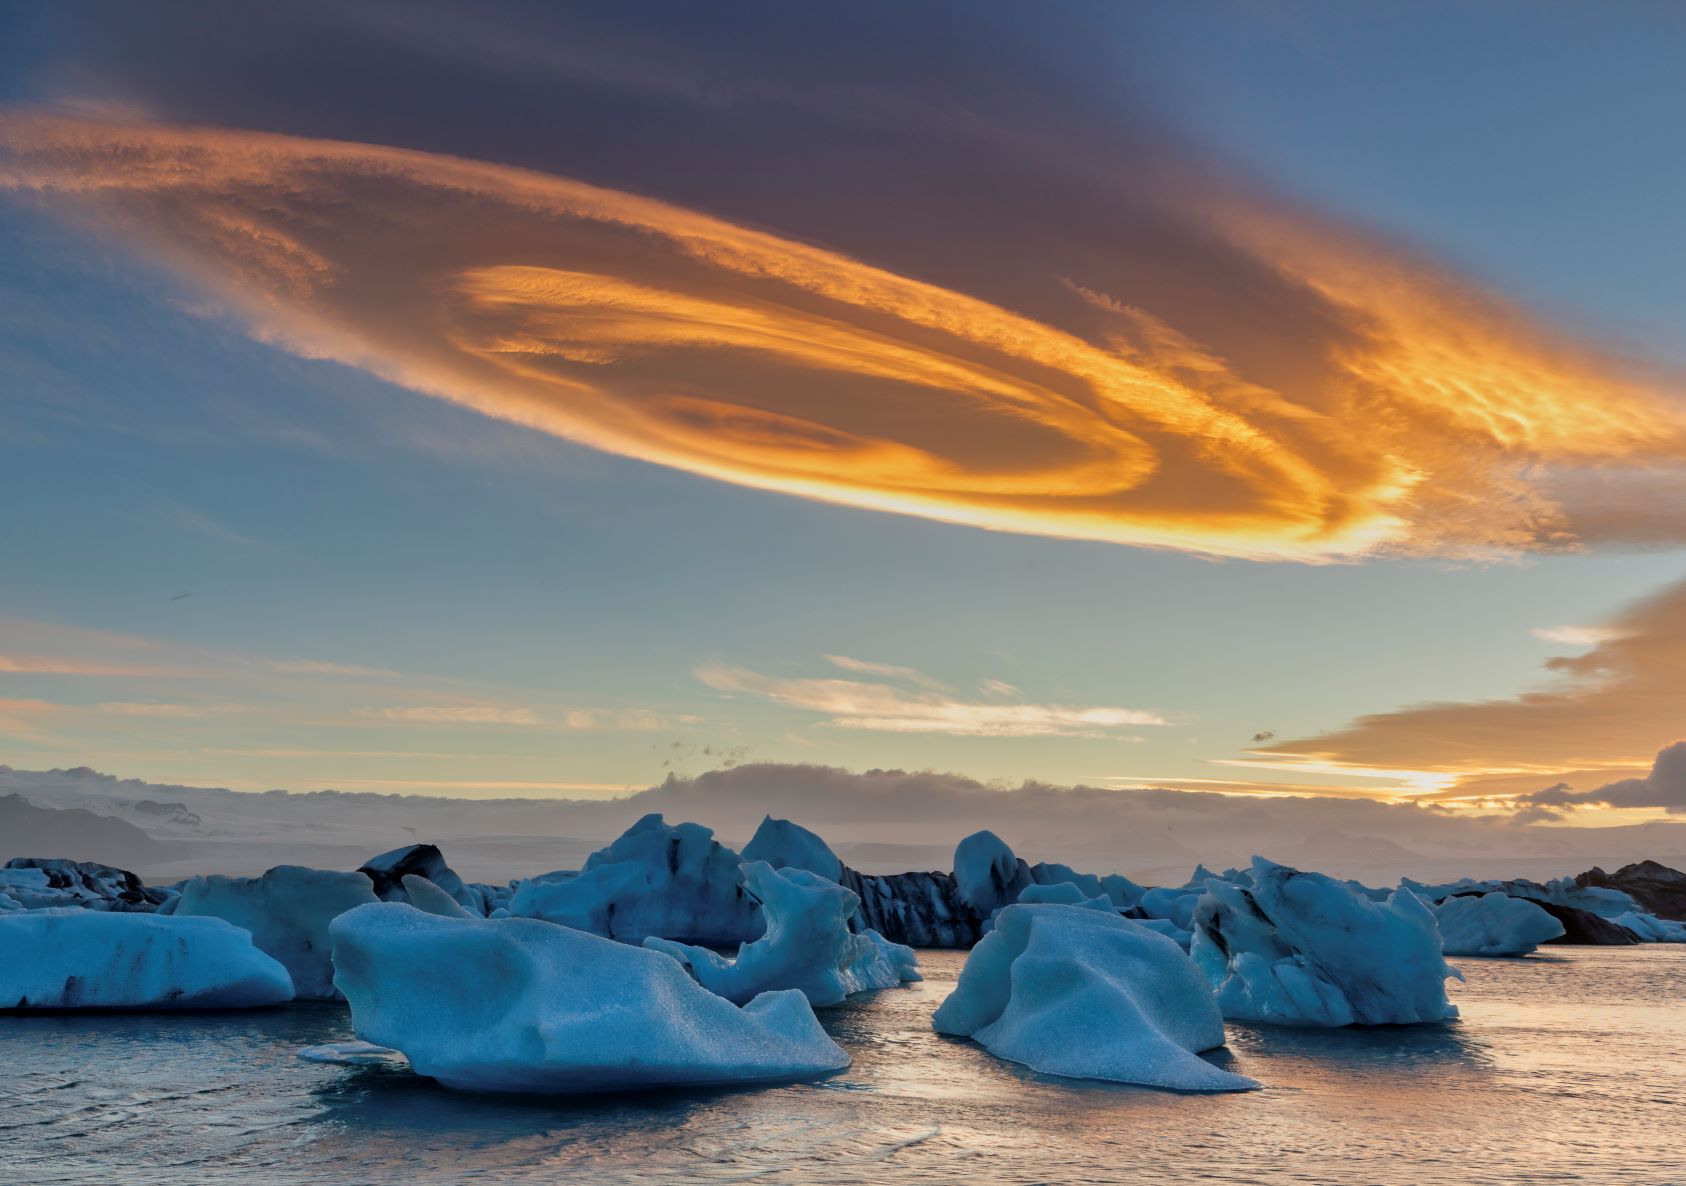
[{"x": 389, "y": 591}]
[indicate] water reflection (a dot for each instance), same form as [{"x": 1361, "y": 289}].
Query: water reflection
[{"x": 1565, "y": 1068}]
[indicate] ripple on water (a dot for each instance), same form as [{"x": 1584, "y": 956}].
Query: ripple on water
[{"x": 1564, "y": 1068}]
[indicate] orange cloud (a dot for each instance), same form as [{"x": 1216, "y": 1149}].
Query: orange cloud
[
  {"x": 1603, "y": 714},
  {"x": 1424, "y": 416}
]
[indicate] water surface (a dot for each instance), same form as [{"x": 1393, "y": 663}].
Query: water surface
[{"x": 1566, "y": 1067}]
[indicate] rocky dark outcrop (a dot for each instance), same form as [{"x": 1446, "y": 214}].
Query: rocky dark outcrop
[
  {"x": 918, "y": 909},
  {"x": 90, "y": 883},
  {"x": 1584, "y": 928},
  {"x": 1658, "y": 889}
]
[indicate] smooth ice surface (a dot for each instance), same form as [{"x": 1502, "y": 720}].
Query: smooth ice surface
[
  {"x": 785, "y": 845},
  {"x": 88, "y": 959},
  {"x": 987, "y": 874},
  {"x": 1068, "y": 990},
  {"x": 521, "y": 1005},
  {"x": 287, "y": 910},
  {"x": 1299, "y": 948},
  {"x": 807, "y": 945},
  {"x": 1564, "y": 1068},
  {"x": 672, "y": 882},
  {"x": 429, "y": 898},
  {"x": 1493, "y": 924}
]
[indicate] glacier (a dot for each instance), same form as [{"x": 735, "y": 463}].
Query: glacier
[
  {"x": 93, "y": 959},
  {"x": 1085, "y": 993},
  {"x": 1493, "y": 924},
  {"x": 523, "y": 1005},
  {"x": 1299, "y": 948},
  {"x": 807, "y": 944}
]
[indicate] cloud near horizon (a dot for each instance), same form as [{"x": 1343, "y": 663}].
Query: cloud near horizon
[
  {"x": 883, "y": 707},
  {"x": 1408, "y": 412},
  {"x": 1602, "y": 712}
]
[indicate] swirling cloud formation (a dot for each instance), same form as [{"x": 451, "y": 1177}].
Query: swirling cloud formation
[{"x": 1430, "y": 418}]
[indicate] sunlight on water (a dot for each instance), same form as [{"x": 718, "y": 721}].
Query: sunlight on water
[{"x": 1565, "y": 1067}]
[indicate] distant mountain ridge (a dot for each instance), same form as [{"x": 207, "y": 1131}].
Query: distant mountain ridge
[{"x": 27, "y": 830}]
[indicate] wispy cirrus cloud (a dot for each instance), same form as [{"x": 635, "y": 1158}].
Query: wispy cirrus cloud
[
  {"x": 1410, "y": 411},
  {"x": 1576, "y": 636},
  {"x": 884, "y": 707},
  {"x": 456, "y": 714}
]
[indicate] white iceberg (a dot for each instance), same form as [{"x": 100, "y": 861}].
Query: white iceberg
[
  {"x": 1087, "y": 994},
  {"x": 673, "y": 882},
  {"x": 429, "y": 898},
  {"x": 95, "y": 959},
  {"x": 987, "y": 875},
  {"x": 807, "y": 945},
  {"x": 1650, "y": 928},
  {"x": 1064, "y": 893},
  {"x": 287, "y": 910},
  {"x": 388, "y": 871},
  {"x": 1175, "y": 906},
  {"x": 785, "y": 845},
  {"x": 521, "y": 1005},
  {"x": 1299, "y": 948},
  {"x": 1493, "y": 924}
]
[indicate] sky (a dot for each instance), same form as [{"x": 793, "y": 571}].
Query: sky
[{"x": 505, "y": 401}]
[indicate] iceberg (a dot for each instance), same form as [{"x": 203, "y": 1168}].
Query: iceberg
[
  {"x": 1299, "y": 948},
  {"x": 1068, "y": 990},
  {"x": 429, "y": 898},
  {"x": 43, "y": 883},
  {"x": 785, "y": 845},
  {"x": 1175, "y": 906},
  {"x": 287, "y": 910},
  {"x": 920, "y": 909},
  {"x": 388, "y": 871},
  {"x": 987, "y": 875},
  {"x": 522, "y": 1005},
  {"x": 807, "y": 944},
  {"x": 671, "y": 882},
  {"x": 95, "y": 959},
  {"x": 1493, "y": 924},
  {"x": 1064, "y": 893}
]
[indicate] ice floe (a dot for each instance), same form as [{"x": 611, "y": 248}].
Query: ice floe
[
  {"x": 1303, "y": 949},
  {"x": 522, "y": 1005},
  {"x": 807, "y": 944},
  {"x": 93, "y": 959},
  {"x": 1085, "y": 993},
  {"x": 1493, "y": 924},
  {"x": 287, "y": 910}
]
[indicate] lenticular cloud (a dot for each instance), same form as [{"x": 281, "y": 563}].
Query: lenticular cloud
[{"x": 1430, "y": 418}]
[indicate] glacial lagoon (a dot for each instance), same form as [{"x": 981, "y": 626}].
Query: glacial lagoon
[{"x": 1567, "y": 1066}]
